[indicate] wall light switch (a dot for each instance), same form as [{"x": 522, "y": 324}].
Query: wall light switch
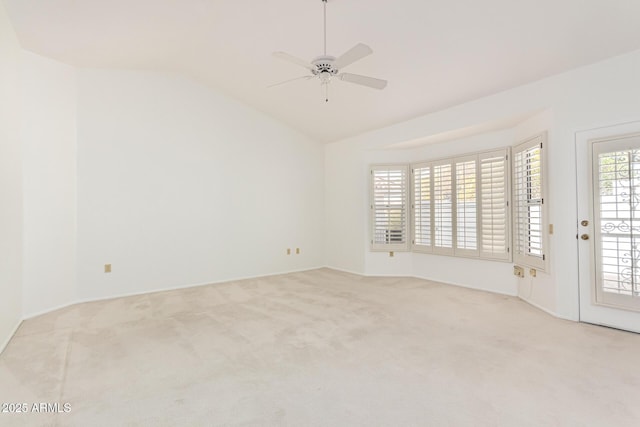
[
  {"x": 288, "y": 251},
  {"x": 391, "y": 254},
  {"x": 297, "y": 251},
  {"x": 107, "y": 268}
]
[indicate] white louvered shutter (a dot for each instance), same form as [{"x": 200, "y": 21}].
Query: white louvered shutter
[
  {"x": 494, "y": 205},
  {"x": 389, "y": 213},
  {"x": 466, "y": 206},
  {"x": 422, "y": 208},
  {"x": 443, "y": 207},
  {"x": 528, "y": 204}
]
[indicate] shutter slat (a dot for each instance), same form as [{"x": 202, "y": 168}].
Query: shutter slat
[
  {"x": 466, "y": 205},
  {"x": 422, "y": 206},
  {"x": 443, "y": 205},
  {"x": 389, "y": 205},
  {"x": 527, "y": 190},
  {"x": 493, "y": 206}
]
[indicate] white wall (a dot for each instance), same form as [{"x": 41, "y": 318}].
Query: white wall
[
  {"x": 49, "y": 183},
  {"x": 344, "y": 224},
  {"x": 10, "y": 182},
  {"x": 178, "y": 185},
  {"x": 601, "y": 94}
]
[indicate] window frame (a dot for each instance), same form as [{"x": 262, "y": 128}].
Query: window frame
[
  {"x": 505, "y": 153},
  {"x": 443, "y": 250},
  {"x": 527, "y": 259},
  {"x": 417, "y": 247},
  {"x": 454, "y": 251},
  {"x": 475, "y": 253},
  {"x": 386, "y": 247},
  {"x": 508, "y": 153}
]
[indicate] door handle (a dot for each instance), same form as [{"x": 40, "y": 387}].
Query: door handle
[{"x": 585, "y": 237}]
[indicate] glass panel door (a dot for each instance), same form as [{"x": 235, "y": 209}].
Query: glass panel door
[
  {"x": 608, "y": 226},
  {"x": 616, "y": 195}
]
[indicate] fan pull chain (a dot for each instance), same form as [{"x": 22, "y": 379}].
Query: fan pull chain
[{"x": 324, "y": 90}]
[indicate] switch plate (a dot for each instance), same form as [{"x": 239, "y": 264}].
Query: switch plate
[
  {"x": 391, "y": 254},
  {"x": 107, "y": 268},
  {"x": 533, "y": 272},
  {"x": 297, "y": 251}
]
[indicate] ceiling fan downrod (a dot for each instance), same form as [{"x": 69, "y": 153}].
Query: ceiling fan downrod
[{"x": 324, "y": 2}]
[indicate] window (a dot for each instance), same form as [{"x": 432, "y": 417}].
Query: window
[
  {"x": 457, "y": 206},
  {"x": 389, "y": 201},
  {"x": 528, "y": 199},
  {"x": 460, "y": 206},
  {"x": 494, "y": 205},
  {"x": 466, "y": 206},
  {"x": 443, "y": 207},
  {"x": 422, "y": 208}
]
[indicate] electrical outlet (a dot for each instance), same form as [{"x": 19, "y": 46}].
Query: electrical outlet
[
  {"x": 107, "y": 268},
  {"x": 297, "y": 251},
  {"x": 288, "y": 251},
  {"x": 518, "y": 271}
]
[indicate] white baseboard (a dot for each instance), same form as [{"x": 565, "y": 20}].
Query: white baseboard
[
  {"x": 365, "y": 274},
  {"x": 171, "y": 288},
  {"x": 344, "y": 270},
  {"x": 48, "y": 310},
  {"x": 546, "y": 310},
  {"x": 463, "y": 285},
  {"x": 6, "y": 342}
]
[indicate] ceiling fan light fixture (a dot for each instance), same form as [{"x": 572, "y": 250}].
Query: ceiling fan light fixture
[{"x": 325, "y": 67}]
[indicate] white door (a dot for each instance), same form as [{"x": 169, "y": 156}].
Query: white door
[{"x": 608, "y": 229}]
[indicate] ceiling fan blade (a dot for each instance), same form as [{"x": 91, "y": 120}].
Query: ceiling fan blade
[
  {"x": 285, "y": 56},
  {"x": 290, "y": 80},
  {"x": 357, "y": 52},
  {"x": 363, "y": 80}
]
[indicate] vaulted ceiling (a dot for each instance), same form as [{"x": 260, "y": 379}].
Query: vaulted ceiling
[{"x": 434, "y": 53}]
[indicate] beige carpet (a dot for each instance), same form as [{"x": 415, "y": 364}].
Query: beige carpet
[{"x": 320, "y": 348}]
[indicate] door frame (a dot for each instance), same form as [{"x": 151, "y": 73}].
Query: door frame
[{"x": 589, "y": 311}]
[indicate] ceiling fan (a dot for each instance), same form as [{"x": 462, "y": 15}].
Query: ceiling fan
[{"x": 326, "y": 67}]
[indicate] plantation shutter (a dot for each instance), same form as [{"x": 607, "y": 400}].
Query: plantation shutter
[
  {"x": 389, "y": 216},
  {"x": 494, "y": 205},
  {"x": 466, "y": 206},
  {"x": 528, "y": 201},
  {"x": 422, "y": 208},
  {"x": 443, "y": 206}
]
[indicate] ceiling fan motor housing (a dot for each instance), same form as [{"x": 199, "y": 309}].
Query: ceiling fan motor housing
[{"x": 324, "y": 64}]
